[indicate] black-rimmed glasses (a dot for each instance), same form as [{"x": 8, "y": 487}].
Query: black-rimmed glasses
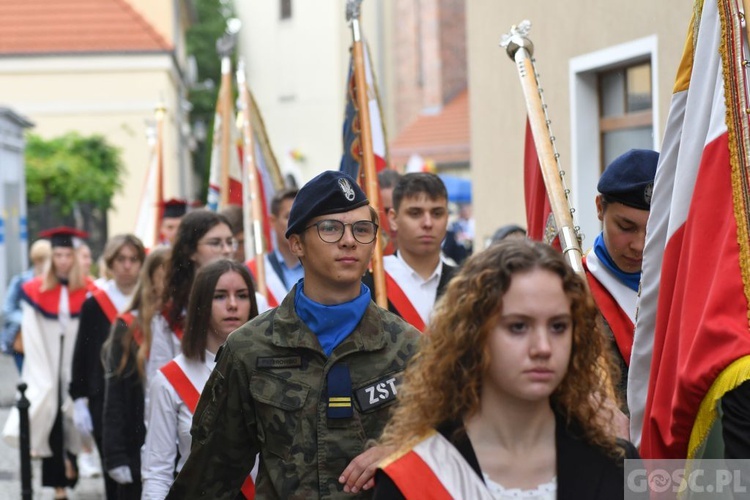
[{"x": 331, "y": 230}]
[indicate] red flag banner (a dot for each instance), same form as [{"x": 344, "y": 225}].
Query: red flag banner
[
  {"x": 540, "y": 221},
  {"x": 692, "y": 340}
]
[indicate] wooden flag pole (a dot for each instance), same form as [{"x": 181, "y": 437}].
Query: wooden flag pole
[
  {"x": 368, "y": 158},
  {"x": 520, "y": 49},
  {"x": 225, "y": 105},
  {"x": 251, "y": 202},
  {"x": 160, "y": 112}
]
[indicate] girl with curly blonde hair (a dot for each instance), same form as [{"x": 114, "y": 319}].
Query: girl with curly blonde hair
[{"x": 505, "y": 394}]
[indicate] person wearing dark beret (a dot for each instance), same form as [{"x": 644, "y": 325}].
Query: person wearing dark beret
[
  {"x": 173, "y": 210},
  {"x": 309, "y": 383},
  {"x": 613, "y": 264}
]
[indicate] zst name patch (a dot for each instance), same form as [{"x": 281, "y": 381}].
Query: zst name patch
[
  {"x": 280, "y": 362},
  {"x": 378, "y": 393}
]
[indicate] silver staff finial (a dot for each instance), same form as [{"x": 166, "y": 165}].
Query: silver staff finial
[
  {"x": 352, "y": 9},
  {"x": 516, "y": 39},
  {"x": 225, "y": 45}
]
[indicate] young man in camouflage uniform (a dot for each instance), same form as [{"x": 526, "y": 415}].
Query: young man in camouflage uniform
[{"x": 307, "y": 384}]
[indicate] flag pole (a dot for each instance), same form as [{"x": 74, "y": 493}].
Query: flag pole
[
  {"x": 520, "y": 49},
  {"x": 225, "y": 105},
  {"x": 251, "y": 202},
  {"x": 368, "y": 158},
  {"x": 160, "y": 112},
  {"x": 225, "y": 47}
]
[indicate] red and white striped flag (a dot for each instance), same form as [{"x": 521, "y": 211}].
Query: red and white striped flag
[{"x": 692, "y": 339}]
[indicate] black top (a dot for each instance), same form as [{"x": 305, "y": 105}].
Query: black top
[
  {"x": 87, "y": 372},
  {"x": 584, "y": 472},
  {"x": 124, "y": 428}
]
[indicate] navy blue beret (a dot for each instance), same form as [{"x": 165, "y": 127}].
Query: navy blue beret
[
  {"x": 629, "y": 179},
  {"x": 331, "y": 192}
]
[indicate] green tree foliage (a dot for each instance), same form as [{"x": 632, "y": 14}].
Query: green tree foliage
[
  {"x": 201, "y": 37},
  {"x": 72, "y": 169}
]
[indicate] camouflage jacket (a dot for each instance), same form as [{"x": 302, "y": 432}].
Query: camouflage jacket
[{"x": 267, "y": 395}]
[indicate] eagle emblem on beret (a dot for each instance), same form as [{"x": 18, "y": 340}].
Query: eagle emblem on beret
[{"x": 347, "y": 189}]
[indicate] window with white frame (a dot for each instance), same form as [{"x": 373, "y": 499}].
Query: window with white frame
[{"x": 614, "y": 107}]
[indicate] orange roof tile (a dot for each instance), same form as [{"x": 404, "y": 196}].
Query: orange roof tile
[
  {"x": 442, "y": 137},
  {"x": 30, "y": 27}
]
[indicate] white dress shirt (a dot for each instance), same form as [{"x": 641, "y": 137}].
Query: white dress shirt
[
  {"x": 118, "y": 299},
  {"x": 169, "y": 422},
  {"x": 165, "y": 346},
  {"x": 421, "y": 292}
]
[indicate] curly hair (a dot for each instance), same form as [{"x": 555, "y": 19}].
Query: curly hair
[
  {"x": 443, "y": 381},
  {"x": 181, "y": 268}
]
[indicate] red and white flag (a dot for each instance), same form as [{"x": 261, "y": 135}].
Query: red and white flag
[
  {"x": 217, "y": 186},
  {"x": 692, "y": 339},
  {"x": 151, "y": 205}
]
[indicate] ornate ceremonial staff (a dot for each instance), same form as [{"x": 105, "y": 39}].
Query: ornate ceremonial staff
[
  {"x": 520, "y": 49},
  {"x": 250, "y": 186},
  {"x": 368, "y": 158}
]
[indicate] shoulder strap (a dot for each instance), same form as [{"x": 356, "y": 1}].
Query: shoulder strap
[
  {"x": 182, "y": 385},
  {"x": 410, "y": 466},
  {"x": 402, "y": 304},
  {"x": 434, "y": 469},
  {"x": 617, "y": 319},
  {"x": 105, "y": 303}
]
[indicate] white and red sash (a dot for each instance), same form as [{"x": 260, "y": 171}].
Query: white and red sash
[
  {"x": 186, "y": 389},
  {"x": 615, "y": 301},
  {"x": 402, "y": 304},
  {"x": 105, "y": 303},
  {"x": 434, "y": 470},
  {"x": 275, "y": 288}
]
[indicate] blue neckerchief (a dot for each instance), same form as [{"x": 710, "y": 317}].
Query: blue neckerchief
[
  {"x": 331, "y": 324},
  {"x": 630, "y": 280}
]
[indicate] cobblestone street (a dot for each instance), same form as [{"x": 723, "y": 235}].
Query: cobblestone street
[{"x": 10, "y": 473}]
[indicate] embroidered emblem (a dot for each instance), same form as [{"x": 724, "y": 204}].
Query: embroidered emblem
[
  {"x": 347, "y": 189},
  {"x": 378, "y": 393}
]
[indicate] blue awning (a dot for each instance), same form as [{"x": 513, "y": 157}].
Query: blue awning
[{"x": 459, "y": 188}]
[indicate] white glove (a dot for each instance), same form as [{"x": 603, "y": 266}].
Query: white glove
[
  {"x": 82, "y": 417},
  {"x": 121, "y": 474}
]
